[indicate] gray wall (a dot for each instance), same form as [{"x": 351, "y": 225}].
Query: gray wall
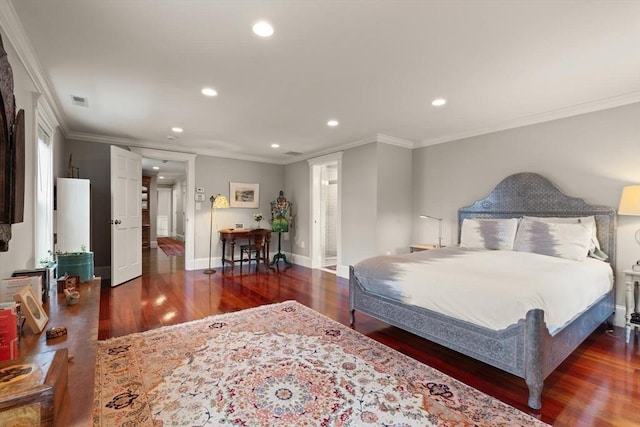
[
  {"x": 376, "y": 202},
  {"x": 214, "y": 174},
  {"x": 394, "y": 200},
  {"x": 359, "y": 203},
  {"x": 297, "y": 185},
  {"x": 590, "y": 156}
]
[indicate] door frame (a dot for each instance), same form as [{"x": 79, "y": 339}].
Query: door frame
[
  {"x": 315, "y": 249},
  {"x": 189, "y": 202}
]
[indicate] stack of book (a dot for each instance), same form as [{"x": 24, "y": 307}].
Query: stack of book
[{"x": 9, "y": 335}]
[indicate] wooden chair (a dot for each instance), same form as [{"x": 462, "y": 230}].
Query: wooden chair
[{"x": 259, "y": 245}]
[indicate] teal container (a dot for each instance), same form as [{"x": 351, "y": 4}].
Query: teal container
[{"x": 76, "y": 264}]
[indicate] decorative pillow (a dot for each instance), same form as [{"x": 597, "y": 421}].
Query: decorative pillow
[
  {"x": 594, "y": 247},
  {"x": 564, "y": 240},
  {"x": 489, "y": 233}
]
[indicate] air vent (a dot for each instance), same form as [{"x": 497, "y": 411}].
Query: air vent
[
  {"x": 79, "y": 101},
  {"x": 292, "y": 153}
]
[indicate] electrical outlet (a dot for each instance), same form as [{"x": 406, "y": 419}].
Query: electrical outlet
[{"x": 199, "y": 197}]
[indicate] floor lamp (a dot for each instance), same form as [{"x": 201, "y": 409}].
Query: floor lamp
[{"x": 217, "y": 202}]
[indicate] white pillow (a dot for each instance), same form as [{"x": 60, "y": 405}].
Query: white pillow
[
  {"x": 564, "y": 240},
  {"x": 489, "y": 233},
  {"x": 594, "y": 246}
]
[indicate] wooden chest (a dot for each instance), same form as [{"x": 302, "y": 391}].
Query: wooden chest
[{"x": 32, "y": 388}]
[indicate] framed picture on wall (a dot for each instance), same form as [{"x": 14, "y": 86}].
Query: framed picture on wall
[{"x": 243, "y": 195}]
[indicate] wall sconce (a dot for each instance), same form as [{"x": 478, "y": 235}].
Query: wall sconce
[
  {"x": 217, "y": 202},
  {"x": 630, "y": 205},
  {"x": 439, "y": 227}
]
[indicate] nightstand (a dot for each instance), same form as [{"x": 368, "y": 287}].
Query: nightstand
[
  {"x": 631, "y": 280},
  {"x": 421, "y": 247}
]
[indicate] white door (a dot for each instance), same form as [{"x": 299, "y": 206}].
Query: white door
[{"x": 126, "y": 215}]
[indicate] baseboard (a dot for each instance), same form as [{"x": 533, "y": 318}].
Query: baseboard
[
  {"x": 302, "y": 260},
  {"x": 618, "y": 318},
  {"x": 342, "y": 271},
  {"x": 103, "y": 272}
]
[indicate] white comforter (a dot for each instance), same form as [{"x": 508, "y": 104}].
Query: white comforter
[{"x": 496, "y": 288}]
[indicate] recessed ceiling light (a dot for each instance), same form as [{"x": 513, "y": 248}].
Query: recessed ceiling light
[
  {"x": 333, "y": 123},
  {"x": 275, "y": 145},
  {"x": 156, "y": 168},
  {"x": 177, "y": 130},
  {"x": 263, "y": 29},
  {"x": 438, "y": 102},
  {"x": 209, "y": 91},
  {"x": 161, "y": 177}
]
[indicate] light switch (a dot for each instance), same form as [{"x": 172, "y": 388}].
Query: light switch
[{"x": 199, "y": 189}]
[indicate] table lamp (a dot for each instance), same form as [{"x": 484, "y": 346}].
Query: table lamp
[{"x": 630, "y": 205}]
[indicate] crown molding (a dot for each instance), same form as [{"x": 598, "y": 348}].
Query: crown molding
[
  {"x": 561, "y": 113},
  {"x": 392, "y": 140},
  {"x": 14, "y": 31},
  {"x": 152, "y": 145}
]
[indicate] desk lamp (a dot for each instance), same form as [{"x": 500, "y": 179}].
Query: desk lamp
[{"x": 439, "y": 227}]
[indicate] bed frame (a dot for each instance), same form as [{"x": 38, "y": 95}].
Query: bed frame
[{"x": 525, "y": 349}]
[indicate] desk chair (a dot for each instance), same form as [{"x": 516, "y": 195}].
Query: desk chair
[{"x": 258, "y": 244}]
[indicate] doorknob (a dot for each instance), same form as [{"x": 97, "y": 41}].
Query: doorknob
[{"x": 118, "y": 222}]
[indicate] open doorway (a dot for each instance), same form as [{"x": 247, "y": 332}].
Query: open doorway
[
  {"x": 178, "y": 178},
  {"x": 325, "y": 211}
]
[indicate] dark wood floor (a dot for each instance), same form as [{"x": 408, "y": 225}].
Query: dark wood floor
[{"x": 598, "y": 385}]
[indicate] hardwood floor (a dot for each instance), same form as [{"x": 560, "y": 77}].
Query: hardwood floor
[{"x": 598, "y": 385}]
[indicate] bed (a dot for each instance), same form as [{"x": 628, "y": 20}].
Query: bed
[{"x": 525, "y": 348}]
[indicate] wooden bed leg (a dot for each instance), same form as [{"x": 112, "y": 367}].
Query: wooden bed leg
[
  {"x": 535, "y": 393},
  {"x": 533, "y": 357},
  {"x": 352, "y": 317}
]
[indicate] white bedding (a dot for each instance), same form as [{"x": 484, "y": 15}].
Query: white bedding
[{"x": 496, "y": 288}]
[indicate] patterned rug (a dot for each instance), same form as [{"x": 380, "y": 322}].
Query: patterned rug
[
  {"x": 171, "y": 247},
  {"x": 278, "y": 365}
]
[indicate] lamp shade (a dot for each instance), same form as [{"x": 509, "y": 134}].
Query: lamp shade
[
  {"x": 630, "y": 200},
  {"x": 220, "y": 201}
]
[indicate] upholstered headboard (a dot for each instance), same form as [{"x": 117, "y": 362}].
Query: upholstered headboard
[{"x": 532, "y": 194}]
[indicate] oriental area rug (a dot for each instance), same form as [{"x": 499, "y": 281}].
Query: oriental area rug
[
  {"x": 170, "y": 247},
  {"x": 278, "y": 365}
]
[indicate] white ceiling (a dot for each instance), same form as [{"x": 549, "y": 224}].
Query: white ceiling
[{"x": 373, "y": 65}]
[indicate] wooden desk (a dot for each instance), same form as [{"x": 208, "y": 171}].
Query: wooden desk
[{"x": 233, "y": 234}]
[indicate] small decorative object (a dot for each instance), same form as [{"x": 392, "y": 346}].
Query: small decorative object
[
  {"x": 257, "y": 218},
  {"x": 56, "y": 331},
  {"x": 72, "y": 296},
  {"x": 32, "y": 309}
]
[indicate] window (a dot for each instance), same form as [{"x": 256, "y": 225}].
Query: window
[{"x": 44, "y": 196}]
